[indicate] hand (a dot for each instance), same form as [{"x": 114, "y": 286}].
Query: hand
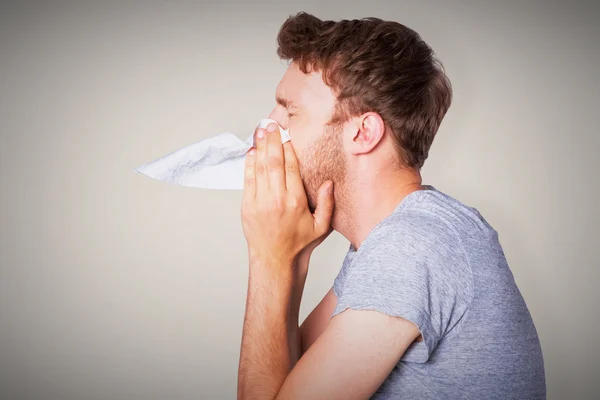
[
  {"x": 307, "y": 251},
  {"x": 276, "y": 219}
]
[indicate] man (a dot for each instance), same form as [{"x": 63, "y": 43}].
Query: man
[{"x": 425, "y": 305}]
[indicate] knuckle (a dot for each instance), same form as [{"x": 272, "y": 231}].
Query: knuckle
[
  {"x": 247, "y": 204},
  {"x": 275, "y": 164},
  {"x": 289, "y": 167},
  {"x": 273, "y": 206},
  {"x": 293, "y": 203},
  {"x": 261, "y": 169},
  {"x": 277, "y": 204},
  {"x": 247, "y": 212}
]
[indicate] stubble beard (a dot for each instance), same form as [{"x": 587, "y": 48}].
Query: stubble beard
[{"x": 321, "y": 161}]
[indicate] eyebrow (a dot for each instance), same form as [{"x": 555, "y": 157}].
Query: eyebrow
[{"x": 285, "y": 102}]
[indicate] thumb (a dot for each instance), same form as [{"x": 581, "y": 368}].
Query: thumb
[{"x": 324, "y": 209}]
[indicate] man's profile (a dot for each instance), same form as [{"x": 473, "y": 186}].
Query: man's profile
[{"x": 425, "y": 305}]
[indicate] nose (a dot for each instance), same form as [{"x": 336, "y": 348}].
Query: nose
[{"x": 279, "y": 116}]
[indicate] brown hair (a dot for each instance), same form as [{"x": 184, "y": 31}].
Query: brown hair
[{"x": 374, "y": 65}]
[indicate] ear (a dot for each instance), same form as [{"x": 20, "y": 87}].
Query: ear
[{"x": 369, "y": 130}]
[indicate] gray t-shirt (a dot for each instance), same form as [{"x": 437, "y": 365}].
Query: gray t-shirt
[{"x": 439, "y": 264}]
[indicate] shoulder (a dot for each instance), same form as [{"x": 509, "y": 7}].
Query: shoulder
[
  {"x": 414, "y": 247},
  {"x": 412, "y": 231},
  {"x": 428, "y": 220}
]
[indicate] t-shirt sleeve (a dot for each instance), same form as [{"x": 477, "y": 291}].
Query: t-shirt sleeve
[{"x": 411, "y": 269}]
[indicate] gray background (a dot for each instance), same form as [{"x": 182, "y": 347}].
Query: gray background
[{"x": 117, "y": 286}]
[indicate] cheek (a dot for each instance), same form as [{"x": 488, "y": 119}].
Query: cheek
[
  {"x": 303, "y": 132},
  {"x": 298, "y": 146},
  {"x": 300, "y": 149},
  {"x": 298, "y": 138}
]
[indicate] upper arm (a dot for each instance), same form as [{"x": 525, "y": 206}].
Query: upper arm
[
  {"x": 351, "y": 358},
  {"x": 409, "y": 279},
  {"x": 317, "y": 320}
]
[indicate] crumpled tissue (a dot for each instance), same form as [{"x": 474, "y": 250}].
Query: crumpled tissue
[{"x": 214, "y": 163}]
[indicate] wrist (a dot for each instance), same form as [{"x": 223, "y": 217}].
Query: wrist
[
  {"x": 270, "y": 258},
  {"x": 301, "y": 263},
  {"x": 304, "y": 255}
]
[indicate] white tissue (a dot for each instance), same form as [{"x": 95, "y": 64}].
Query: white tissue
[{"x": 213, "y": 163}]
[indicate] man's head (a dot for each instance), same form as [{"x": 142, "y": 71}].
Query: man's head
[{"x": 357, "y": 93}]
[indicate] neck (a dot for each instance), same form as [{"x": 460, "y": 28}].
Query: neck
[{"x": 367, "y": 202}]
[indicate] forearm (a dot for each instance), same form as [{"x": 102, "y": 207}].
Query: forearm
[
  {"x": 295, "y": 337},
  {"x": 265, "y": 358}
]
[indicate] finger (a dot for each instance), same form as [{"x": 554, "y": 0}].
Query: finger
[
  {"x": 275, "y": 160},
  {"x": 293, "y": 180},
  {"x": 249, "y": 175},
  {"x": 324, "y": 209},
  {"x": 262, "y": 178}
]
